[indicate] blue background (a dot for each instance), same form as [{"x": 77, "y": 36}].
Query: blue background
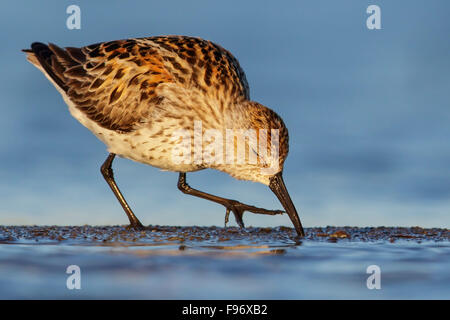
[{"x": 367, "y": 111}]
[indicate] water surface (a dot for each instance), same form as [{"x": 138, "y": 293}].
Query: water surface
[{"x": 217, "y": 263}]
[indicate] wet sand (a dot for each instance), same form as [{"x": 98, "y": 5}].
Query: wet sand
[
  {"x": 192, "y": 235},
  {"x": 166, "y": 262}
]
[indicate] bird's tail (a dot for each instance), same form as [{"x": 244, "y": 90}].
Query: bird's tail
[{"x": 53, "y": 61}]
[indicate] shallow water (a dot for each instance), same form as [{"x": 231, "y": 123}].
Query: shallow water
[{"x": 218, "y": 263}]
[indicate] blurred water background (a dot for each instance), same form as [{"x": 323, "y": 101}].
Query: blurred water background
[
  {"x": 314, "y": 271},
  {"x": 213, "y": 263},
  {"x": 367, "y": 111}
]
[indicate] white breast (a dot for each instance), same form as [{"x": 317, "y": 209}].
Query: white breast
[{"x": 148, "y": 144}]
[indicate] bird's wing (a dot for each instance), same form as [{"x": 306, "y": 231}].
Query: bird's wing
[
  {"x": 115, "y": 83},
  {"x": 202, "y": 64},
  {"x": 105, "y": 81}
]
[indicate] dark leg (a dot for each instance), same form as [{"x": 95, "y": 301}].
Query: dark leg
[
  {"x": 107, "y": 173},
  {"x": 231, "y": 205}
]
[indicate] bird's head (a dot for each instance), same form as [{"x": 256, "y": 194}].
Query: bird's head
[{"x": 262, "y": 151}]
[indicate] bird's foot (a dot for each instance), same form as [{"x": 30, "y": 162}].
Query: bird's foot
[
  {"x": 135, "y": 227},
  {"x": 239, "y": 208}
]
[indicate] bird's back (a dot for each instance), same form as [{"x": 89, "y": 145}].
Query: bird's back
[{"x": 117, "y": 83}]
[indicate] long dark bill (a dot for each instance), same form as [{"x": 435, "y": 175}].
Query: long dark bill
[{"x": 278, "y": 187}]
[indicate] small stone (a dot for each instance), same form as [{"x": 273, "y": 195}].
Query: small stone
[{"x": 340, "y": 234}]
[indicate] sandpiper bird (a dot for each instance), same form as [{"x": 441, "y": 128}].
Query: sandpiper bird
[{"x": 134, "y": 94}]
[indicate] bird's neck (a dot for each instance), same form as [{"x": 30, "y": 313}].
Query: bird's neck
[{"x": 245, "y": 115}]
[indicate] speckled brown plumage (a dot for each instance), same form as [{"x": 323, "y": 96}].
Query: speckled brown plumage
[
  {"x": 135, "y": 94},
  {"x": 115, "y": 83},
  {"x": 126, "y": 85}
]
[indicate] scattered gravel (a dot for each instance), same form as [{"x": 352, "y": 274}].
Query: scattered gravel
[{"x": 110, "y": 235}]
